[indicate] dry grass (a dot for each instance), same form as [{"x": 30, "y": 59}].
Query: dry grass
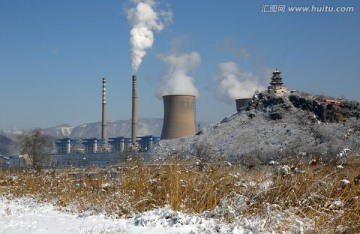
[
  {"x": 317, "y": 194},
  {"x": 321, "y": 193}
]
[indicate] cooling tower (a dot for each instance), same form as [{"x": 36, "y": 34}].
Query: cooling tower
[
  {"x": 179, "y": 116},
  {"x": 103, "y": 125},
  {"x": 134, "y": 112},
  {"x": 241, "y": 103}
]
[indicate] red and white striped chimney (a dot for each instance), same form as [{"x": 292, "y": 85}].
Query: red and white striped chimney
[{"x": 103, "y": 125}]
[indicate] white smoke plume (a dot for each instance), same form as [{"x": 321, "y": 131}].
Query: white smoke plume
[
  {"x": 144, "y": 20},
  {"x": 176, "y": 81},
  {"x": 234, "y": 83}
]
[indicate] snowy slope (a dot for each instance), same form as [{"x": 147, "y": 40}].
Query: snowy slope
[
  {"x": 27, "y": 216},
  {"x": 274, "y": 130}
]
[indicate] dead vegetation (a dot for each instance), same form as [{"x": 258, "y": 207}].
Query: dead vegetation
[{"x": 325, "y": 195}]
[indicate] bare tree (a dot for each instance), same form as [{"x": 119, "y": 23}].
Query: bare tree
[{"x": 36, "y": 146}]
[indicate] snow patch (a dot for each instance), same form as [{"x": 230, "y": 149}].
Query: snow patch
[{"x": 25, "y": 215}]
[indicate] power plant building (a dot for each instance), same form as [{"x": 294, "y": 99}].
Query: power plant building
[{"x": 101, "y": 151}]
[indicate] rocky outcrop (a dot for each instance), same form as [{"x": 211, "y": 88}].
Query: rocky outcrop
[{"x": 325, "y": 109}]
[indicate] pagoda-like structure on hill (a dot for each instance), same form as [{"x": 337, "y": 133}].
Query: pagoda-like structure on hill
[
  {"x": 276, "y": 84},
  {"x": 276, "y": 80}
]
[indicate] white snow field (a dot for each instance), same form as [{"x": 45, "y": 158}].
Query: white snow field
[{"x": 27, "y": 216}]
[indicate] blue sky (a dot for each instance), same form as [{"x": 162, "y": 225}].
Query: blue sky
[{"x": 53, "y": 55}]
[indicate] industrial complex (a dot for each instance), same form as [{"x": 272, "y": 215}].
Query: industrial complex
[{"x": 179, "y": 121}]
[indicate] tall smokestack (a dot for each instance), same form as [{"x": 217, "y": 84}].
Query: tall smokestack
[
  {"x": 134, "y": 112},
  {"x": 179, "y": 116},
  {"x": 103, "y": 125}
]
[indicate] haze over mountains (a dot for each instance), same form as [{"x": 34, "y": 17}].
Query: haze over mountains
[{"x": 146, "y": 126}]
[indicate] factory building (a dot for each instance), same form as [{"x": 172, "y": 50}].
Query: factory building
[
  {"x": 93, "y": 145},
  {"x": 13, "y": 161},
  {"x": 101, "y": 151},
  {"x": 90, "y": 152}
]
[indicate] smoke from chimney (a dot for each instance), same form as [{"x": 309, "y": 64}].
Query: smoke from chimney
[
  {"x": 235, "y": 83},
  {"x": 103, "y": 126},
  {"x": 176, "y": 81},
  {"x": 144, "y": 20}
]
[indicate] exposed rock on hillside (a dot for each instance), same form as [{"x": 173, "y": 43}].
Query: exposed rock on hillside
[{"x": 325, "y": 109}]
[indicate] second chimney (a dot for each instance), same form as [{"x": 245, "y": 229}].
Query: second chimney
[{"x": 134, "y": 112}]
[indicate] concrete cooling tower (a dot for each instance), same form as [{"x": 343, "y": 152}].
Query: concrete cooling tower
[{"x": 179, "y": 116}]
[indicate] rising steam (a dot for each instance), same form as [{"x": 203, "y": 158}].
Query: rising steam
[
  {"x": 176, "y": 81},
  {"x": 234, "y": 83},
  {"x": 144, "y": 20}
]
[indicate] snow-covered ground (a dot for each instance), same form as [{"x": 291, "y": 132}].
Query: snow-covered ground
[
  {"x": 28, "y": 216},
  {"x": 253, "y": 137}
]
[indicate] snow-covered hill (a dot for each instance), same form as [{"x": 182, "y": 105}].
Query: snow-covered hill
[{"x": 278, "y": 129}]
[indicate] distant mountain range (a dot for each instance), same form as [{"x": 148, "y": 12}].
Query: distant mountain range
[{"x": 146, "y": 126}]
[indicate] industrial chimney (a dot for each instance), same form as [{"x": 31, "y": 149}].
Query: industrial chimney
[
  {"x": 179, "y": 116},
  {"x": 103, "y": 125},
  {"x": 241, "y": 103},
  {"x": 134, "y": 112}
]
